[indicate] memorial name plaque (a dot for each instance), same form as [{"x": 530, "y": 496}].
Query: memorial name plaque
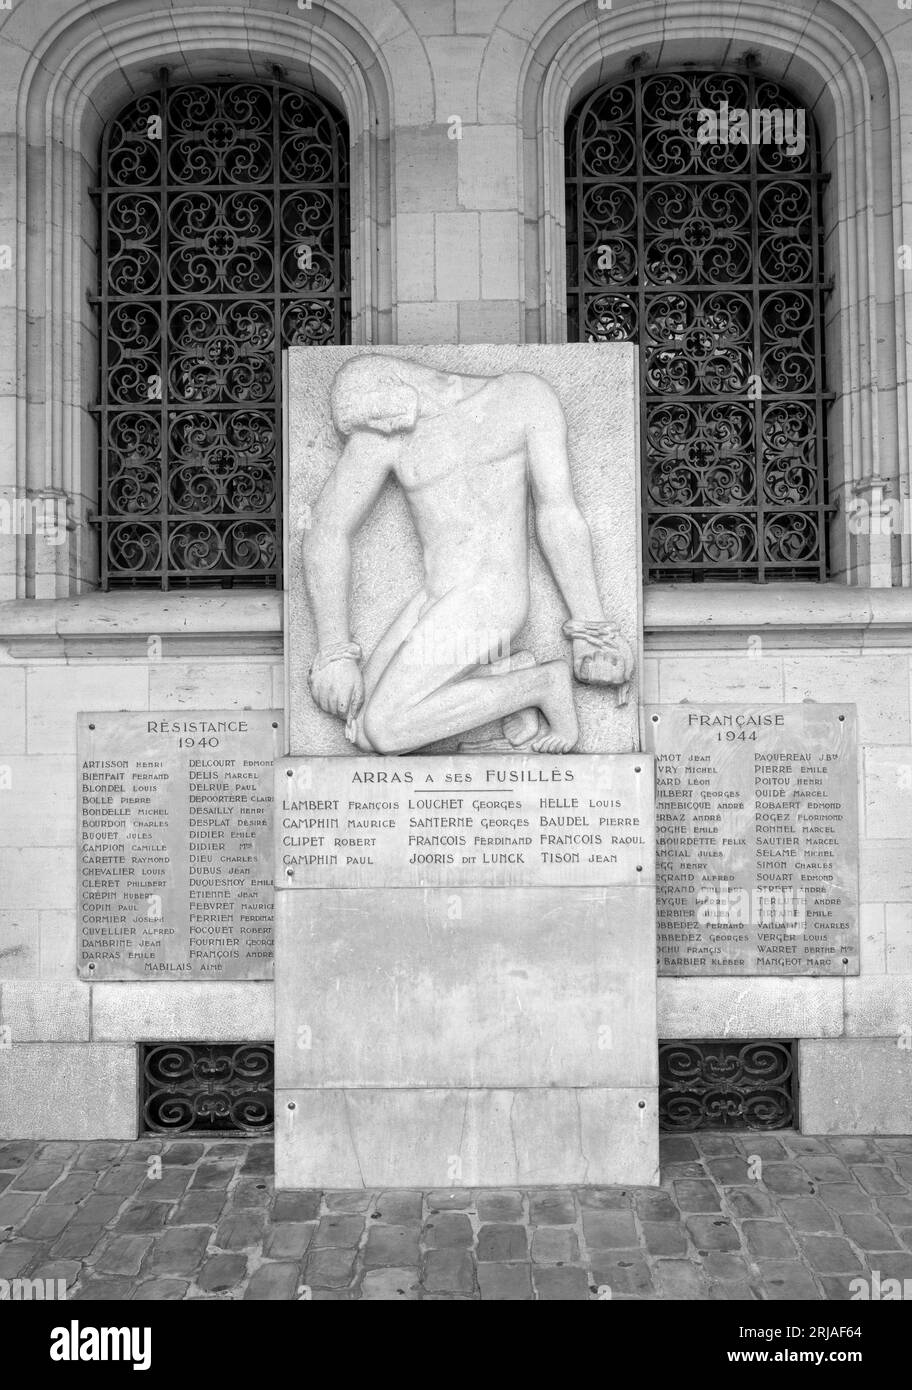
[
  {"x": 175, "y": 844},
  {"x": 756, "y": 839},
  {"x": 464, "y": 821}
]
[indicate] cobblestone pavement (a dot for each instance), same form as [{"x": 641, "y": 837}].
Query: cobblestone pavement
[{"x": 751, "y": 1217}]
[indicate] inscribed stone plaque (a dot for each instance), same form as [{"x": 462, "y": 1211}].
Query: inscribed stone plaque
[
  {"x": 175, "y": 844},
  {"x": 756, "y": 839},
  {"x": 464, "y": 821}
]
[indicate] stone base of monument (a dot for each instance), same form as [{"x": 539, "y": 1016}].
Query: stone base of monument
[{"x": 476, "y": 1014}]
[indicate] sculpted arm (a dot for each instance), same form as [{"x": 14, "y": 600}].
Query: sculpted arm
[{"x": 348, "y": 495}]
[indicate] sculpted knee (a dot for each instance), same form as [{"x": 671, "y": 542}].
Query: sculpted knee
[{"x": 386, "y": 731}]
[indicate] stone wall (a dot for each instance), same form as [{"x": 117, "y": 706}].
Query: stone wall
[{"x": 456, "y": 109}]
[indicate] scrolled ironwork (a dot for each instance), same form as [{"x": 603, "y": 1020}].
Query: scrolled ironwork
[
  {"x": 207, "y": 1087},
  {"x": 726, "y": 1085},
  {"x": 708, "y": 254},
  {"x": 225, "y": 209}
]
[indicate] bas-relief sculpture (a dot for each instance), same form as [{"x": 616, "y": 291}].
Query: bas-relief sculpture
[
  {"x": 469, "y": 452},
  {"x": 453, "y": 659}
]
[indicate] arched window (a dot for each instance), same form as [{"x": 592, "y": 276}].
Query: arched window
[
  {"x": 694, "y": 230},
  {"x": 224, "y": 214}
]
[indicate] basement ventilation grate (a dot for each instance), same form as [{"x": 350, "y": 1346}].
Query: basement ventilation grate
[
  {"x": 206, "y": 1088},
  {"x": 733, "y": 1084}
]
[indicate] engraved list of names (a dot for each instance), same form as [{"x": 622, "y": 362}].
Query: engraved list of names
[
  {"x": 756, "y": 839},
  {"x": 175, "y": 845}
]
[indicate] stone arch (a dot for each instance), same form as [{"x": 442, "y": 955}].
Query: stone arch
[
  {"x": 841, "y": 66},
  {"x": 81, "y": 73}
]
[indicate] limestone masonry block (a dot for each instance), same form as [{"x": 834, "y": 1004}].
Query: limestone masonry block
[
  {"x": 68, "y": 1091},
  {"x": 44, "y": 1011},
  {"x": 170, "y": 1011},
  {"x": 855, "y": 1086}
]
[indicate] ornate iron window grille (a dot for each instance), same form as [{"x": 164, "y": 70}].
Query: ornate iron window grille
[
  {"x": 726, "y": 1085},
  {"x": 225, "y": 237},
  {"x": 207, "y": 1088},
  {"x": 709, "y": 256}
]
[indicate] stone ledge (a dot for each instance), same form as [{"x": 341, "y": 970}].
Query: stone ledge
[{"x": 46, "y": 624}]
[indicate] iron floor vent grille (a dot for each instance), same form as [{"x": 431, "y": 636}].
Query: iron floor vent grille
[
  {"x": 733, "y": 1084},
  {"x": 206, "y": 1088}
]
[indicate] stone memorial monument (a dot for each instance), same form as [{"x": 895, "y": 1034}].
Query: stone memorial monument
[{"x": 465, "y": 955}]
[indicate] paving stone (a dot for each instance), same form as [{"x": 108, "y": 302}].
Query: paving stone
[
  {"x": 712, "y": 1233},
  {"x": 97, "y": 1211},
  {"x": 14, "y": 1210},
  {"x": 567, "y": 1284},
  {"x": 838, "y": 1287},
  {"x": 289, "y": 1240},
  {"x": 77, "y": 1242},
  {"x": 73, "y": 1187},
  {"x": 746, "y": 1202},
  {"x": 398, "y": 1208},
  {"x": 222, "y": 1272},
  {"x": 160, "y": 1291},
  {"x": 869, "y": 1232},
  {"x": 787, "y": 1178},
  {"x": 5, "y": 1180},
  {"x": 391, "y": 1285},
  {"x": 448, "y": 1271},
  {"x": 674, "y": 1172},
  {"x": 784, "y": 1280},
  {"x": 198, "y": 1209},
  {"x": 16, "y": 1255},
  {"x": 906, "y": 1238},
  {"x": 56, "y": 1270},
  {"x": 220, "y": 1150},
  {"x": 725, "y": 1267},
  {"x": 295, "y": 1206},
  {"x": 104, "y": 1290},
  {"x": 143, "y": 1216},
  {"x": 121, "y": 1178},
  {"x": 679, "y": 1279},
  {"x": 182, "y": 1153},
  {"x": 605, "y": 1198},
  {"x": 807, "y": 1214},
  {"x": 505, "y": 1283},
  {"x": 894, "y": 1266},
  {"x": 886, "y": 1143},
  {"x": 769, "y": 1240},
  {"x": 716, "y": 1145},
  {"x": 904, "y": 1166},
  {"x": 251, "y": 1194},
  {"x": 830, "y": 1255},
  {"x": 825, "y": 1168},
  {"x": 449, "y": 1229},
  {"x": 209, "y": 1175},
  {"x": 330, "y": 1269},
  {"x": 896, "y": 1209},
  {"x": 554, "y": 1245},
  {"x": 854, "y": 1149},
  {"x": 98, "y": 1156},
  {"x": 395, "y": 1246},
  {"x": 697, "y": 1196},
  {"x": 805, "y": 1144},
  {"x": 240, "y": 1232},
  {"x": 343, "y": 1232},
  {"x": 845, "y": 1196},
  {"x": 499, "y": 1206},
  {"x": 275, "y": 1281},
  {"x": 762, "y": 1146},
  {"x": 652, "y": 1204},
  {"x": 121, "y": 1254},
  {"x": 177, "y": 1251},
  {"x": 17, "y": 1153},
  {"x": 500, "y": 1242},
  {"x": 348, "y": 1201},
  {"x": 260, "y": 1158},
  {"x": 730, "y": 1172},
  {"x": 552, "y": 1209},
  {"x": 872, "y": 1179},
  {"x": 623, "y": 1271},
  {"x": 677, "y": 1149},
  {"x": 46, "y": 1221},
  {"x": 458, "y": 1199},
  {"x": 168, "y": 1188},
  {"x": 36, "y": 1177},
  {"x": 609, "y": 1230},
  {"x": 664, "y": 1238},
  {"x": 739, "y": 1292}
]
